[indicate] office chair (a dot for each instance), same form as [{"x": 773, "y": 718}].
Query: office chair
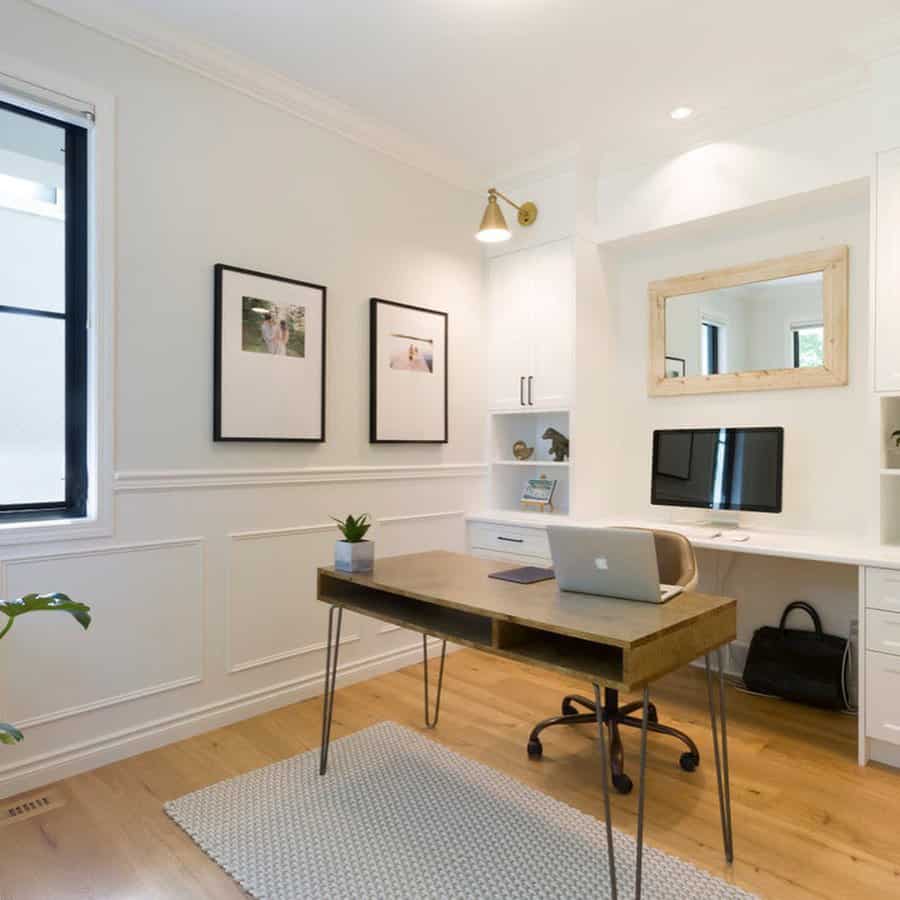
[{"x": 677, "y": 566}]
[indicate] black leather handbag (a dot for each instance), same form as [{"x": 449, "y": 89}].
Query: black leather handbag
[{"x": 806, "y": 666}]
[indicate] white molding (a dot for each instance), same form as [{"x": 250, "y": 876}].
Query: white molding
[
  {"x": 286, "y": 654},
  {"x": 83, "y": 756},
  {"x": 94, "y": 705},
  {"x": 264, "y": 533},
  {"x": 418, "y": 517},
  {"x": 268, "y": 86},
  {"x": 136, "y": 547},
  {"x": 325, "y": 527},
  {"x": 293, "y": 652},
  {"x": 140, "y": 693},
  {"x": 192, "y": 479}
]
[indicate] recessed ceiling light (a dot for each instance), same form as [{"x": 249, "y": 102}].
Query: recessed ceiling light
[{"x": 682, "y": 112}]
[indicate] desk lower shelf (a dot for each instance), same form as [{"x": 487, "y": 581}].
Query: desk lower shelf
[{"x": 626, "y": 668}]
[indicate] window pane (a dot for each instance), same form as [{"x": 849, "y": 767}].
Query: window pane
[
  {"x": 32, "y": 229},
  {"x": 810, "y": 346},
  {"x": 32, "y": 409}
]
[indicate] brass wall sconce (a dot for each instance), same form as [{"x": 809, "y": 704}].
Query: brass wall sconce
[{"x": 493, "y": 225}]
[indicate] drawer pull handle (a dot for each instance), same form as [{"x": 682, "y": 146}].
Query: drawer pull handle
[
  {"x": 512, "y": 540},
  {"x": 891, "y": 726},
  {"x": 891, "y": 643}
]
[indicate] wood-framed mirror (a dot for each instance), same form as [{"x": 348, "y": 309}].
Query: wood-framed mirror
[{"x": 776, "y": 324}]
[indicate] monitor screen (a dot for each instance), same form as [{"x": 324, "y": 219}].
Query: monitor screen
[{"x": 718, "y": 468}]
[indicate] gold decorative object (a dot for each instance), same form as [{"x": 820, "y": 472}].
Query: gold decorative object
[
  {"x": 493, "y": 224},
  {"x": 522, "y": 451}
]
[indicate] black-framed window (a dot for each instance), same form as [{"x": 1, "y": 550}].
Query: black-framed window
[
  {"x": 43, "y": 316},
  {"x": 711, "y": 345}
]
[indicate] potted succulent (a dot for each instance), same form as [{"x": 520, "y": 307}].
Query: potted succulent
[
  {"x": 12, "y": 609},
  {"x": 354, "y": 553}
]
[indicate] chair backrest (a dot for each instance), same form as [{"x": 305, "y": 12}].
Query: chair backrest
[{"x": 677, "y": 563}]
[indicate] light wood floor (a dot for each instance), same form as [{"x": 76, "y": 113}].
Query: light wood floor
[{"x": 808, "y": 821}]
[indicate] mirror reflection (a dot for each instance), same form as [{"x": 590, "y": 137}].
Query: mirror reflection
[{"x": 765, "y": 325}]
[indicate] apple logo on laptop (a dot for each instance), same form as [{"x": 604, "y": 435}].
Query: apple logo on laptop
[{"x": 601, "y": 563}]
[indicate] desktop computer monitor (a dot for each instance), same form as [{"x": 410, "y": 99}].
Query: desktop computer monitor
[{"x": 718, "y": 468}]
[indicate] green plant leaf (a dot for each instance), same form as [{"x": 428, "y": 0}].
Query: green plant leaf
[
  {"x": 9, "y": 734},
  {"x": 353, "y": 529},
  {"x": 55, "y": 602}
]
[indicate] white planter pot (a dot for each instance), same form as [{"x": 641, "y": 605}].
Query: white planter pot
[{"x": 358, "y": 557}]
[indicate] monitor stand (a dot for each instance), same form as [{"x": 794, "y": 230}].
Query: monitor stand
[{"x": 721, "y": 523}]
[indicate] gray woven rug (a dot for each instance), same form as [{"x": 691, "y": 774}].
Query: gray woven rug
[{"x": 400, "y": 816}]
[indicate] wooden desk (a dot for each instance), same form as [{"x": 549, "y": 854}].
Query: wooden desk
[{"x": 611, "y": 643}]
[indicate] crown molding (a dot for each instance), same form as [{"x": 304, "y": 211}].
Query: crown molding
[{"x": 264, "y": 84}]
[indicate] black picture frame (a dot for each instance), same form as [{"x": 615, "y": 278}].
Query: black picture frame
[
  {"x": 677, "y": 359},
  {"x": 374, "y": 304},
  {"x": 219, "y": 271}
]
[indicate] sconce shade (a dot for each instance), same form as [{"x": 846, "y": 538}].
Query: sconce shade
[{"x": 493, "y": 226}]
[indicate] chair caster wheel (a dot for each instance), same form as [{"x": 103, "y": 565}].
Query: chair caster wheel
[
  {"x": 569, "y": 710},
  {"x": 622, "y": 783},
  {"x": 652, "y": 715},
  {"x": 688, "y": 762},
  {"x": 535, "y": 749}
]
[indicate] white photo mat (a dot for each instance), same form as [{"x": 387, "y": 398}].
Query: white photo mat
[
  {"x": 408, "y": 347},
  {"x": 269, "y": 357}
]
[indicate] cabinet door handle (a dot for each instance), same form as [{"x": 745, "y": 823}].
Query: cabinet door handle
[
  {"x": 530, "y": 386},
  {"x": 511, "y": 540},
  {"x": 522, "y": 391}
]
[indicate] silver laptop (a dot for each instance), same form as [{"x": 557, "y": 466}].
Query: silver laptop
[{"x": 610, "y": 562}]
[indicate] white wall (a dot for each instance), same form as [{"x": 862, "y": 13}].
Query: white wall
[
  {"x": 828, "y": 478},
  {"x": 825, "y": 146},
  {"x": 204, "y": 597},
  {"x": 822, "y": 426}
]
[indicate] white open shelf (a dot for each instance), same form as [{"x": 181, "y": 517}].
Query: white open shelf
[
  {"x": 508, "y": 475},
  {"x": 540, "y": 463}
]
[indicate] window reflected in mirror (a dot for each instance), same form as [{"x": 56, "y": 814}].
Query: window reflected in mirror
[{"x": 762, "y": 326}]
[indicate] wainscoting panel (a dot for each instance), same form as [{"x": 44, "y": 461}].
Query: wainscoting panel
[
  {"x": 147, "y": 635},
  {"x": 272, "y": 611}
]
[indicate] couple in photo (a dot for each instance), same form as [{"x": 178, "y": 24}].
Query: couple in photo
[{"x": 275, "y": 335}]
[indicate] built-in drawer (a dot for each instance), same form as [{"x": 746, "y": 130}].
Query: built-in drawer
[
  {"x": 883, "y": 697},
  {"x": 883, "y": 631},
  {"x": 883, "y": 589},
  {"x": 514, "y": 539}
]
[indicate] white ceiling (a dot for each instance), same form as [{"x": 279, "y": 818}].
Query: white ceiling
[{"x": 507, "y": 84}]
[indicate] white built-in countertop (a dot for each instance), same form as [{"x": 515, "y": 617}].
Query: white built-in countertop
[{"x": 821, "y": 548}]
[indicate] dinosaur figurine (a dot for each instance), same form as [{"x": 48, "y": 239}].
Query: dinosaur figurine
[{"x": 559, "y": 446}]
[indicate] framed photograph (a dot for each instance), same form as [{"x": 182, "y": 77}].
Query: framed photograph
[
  {"x": 408, "y": 374},
  {"x": 539, "y": 490},
  {"x": 675, "y": 367},
  {"x": 269, "y": 357}
]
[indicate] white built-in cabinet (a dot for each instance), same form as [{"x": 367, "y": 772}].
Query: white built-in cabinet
[
  {"x": 887, "y": 271},
  {"x": 531, "y": 333}
]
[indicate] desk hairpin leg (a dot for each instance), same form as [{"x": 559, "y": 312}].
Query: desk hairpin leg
[
  {"x": 331, "y": 660},
  {"x": 722, "y": 776},
  {"x": 429, "y": 723},
  {"x": 604, "y": 774}
]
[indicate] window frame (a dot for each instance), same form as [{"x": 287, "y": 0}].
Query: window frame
[
  {"x": 74, "y": 503},
  {"x": 61, "y": 97}
]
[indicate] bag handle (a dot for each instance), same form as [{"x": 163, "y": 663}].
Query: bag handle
[{"x": 802, "y": 604}]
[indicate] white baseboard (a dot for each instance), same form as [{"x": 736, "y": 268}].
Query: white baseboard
[
  {"x": 76, "y": 758},
  {"x": 883, "y": 752}
]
